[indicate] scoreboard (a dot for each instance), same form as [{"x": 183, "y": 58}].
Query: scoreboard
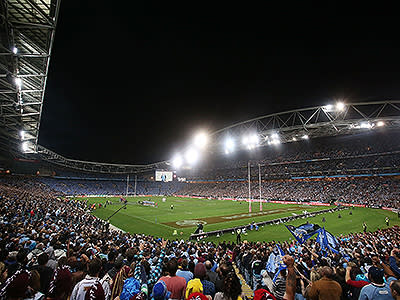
[{"x": 164, "y": 176}]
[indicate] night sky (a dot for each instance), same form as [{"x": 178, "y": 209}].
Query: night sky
[{"x": 132, "y": 84}]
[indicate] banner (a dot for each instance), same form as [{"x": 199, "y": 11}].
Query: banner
[
  {"x": 303, "y": 232},
  {"x": 327, "y": 241},
  {"x": 275, "y": 263}
]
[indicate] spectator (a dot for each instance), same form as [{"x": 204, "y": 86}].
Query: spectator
[
  {"x": 325, "y": 288},
  {"x": 232, "y": 289},
  {"x": 175, "y": 284},
  {"x": 183, "y": 270},
  {"x": 212, "y": 276},
  {"x": 377, "y": 289},
  {"x": 91, "y": 279},
  {"x": 200, "y": 272}
]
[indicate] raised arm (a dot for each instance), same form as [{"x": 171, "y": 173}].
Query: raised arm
[{"x": 290, "y": 278}]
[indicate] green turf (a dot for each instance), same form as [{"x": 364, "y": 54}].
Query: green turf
[{"x": 148, "y": 220}]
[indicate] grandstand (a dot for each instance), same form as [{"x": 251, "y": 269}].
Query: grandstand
[{"x": 66, "y": 226}]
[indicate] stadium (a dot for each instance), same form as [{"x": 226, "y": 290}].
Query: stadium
[{"x": 241, "y": 209}]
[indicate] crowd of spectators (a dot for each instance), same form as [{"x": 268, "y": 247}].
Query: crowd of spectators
[
  {"x": 374, "y": 191},
  {"x": 109, "y": 186},
  {"x": 371, "y": 191},
  {"x": 366, "y": 153},
  {"x": 54, "y": 248},
  {"x": 364, "y": 164}
]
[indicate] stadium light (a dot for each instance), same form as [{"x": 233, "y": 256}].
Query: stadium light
[
  {"x": 366, "y": 125},
  {"x": 18, "y": 82},
  {"x": 191, "y": 156},
  {"x": 200, "y": 140},
  {"x": 340, "y": 106},
  {"x": 380, "y": 124},
  {"x": 274, "y": 139},
  {"x": 177, "y": 161},
  {"x": 229, "y": 145},
  {"x": 25, "y": 146},
  {"x": 274, "y": 136},
  {"x": 328, "y": 108},
  {"x": 294, "y": 139},
  {"x": 305, "y": 137},
  {"x": 250, "y": 141},
  {"x": 254, "y": 139},
  {"x": 22, "y": 134},
  {"x": 15, "y": 50}
]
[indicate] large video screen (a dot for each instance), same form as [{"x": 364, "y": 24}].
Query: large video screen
[{"x": 163, "y": 176}]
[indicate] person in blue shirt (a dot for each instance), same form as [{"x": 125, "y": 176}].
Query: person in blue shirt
[
  {"x": 183, "y": 270},
  {"x": 378, "y": 289}
]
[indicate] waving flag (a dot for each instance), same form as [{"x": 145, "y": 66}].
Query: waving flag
[
  {"x": 303, "y": 232},
  {"x": 275, "y": 263},
  {"x": 327, "y": 240},
  {"x": 321, "y": 238},
  {"x": 333, "y": 243}
]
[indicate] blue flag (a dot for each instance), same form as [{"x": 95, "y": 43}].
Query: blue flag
[
  {"x": 271, "y": 266},
  {"x": 275, "y": 263},
  {"x": 323, "y": 241},
  {"x": 321, "y": 238},
  {"x": 332, "y": 242},
  {"x": 344, "y": 254},
  {"x": 303, "y": 232},
  {"x": 327, "y": 241}
]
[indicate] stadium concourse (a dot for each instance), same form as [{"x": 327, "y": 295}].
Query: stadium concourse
[{"x": 52, "y": 246}]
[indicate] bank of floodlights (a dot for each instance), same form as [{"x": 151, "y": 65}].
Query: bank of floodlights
[
  {"x": 22, "y": 134},
  {"x": 200, "y": 140},
  {"x": 250, "y": 141},
  {"x": 366, "y": 125},
  {"x": 177, "y": 161},
  {"x": 229, "y": 145},
  {"x": 338, "y": 107},
  {"x": 274, "y": 139},
  {"x": 18, "y": 82},
  {"x": 26, "y": 147},
  {"x": 191, "y": 156}
]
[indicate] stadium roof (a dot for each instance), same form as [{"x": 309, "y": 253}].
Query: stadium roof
[
  {"x": 289, "y": 126},
  {"x": 26, "y": 38},
  {"x": 328, "y": 120}
]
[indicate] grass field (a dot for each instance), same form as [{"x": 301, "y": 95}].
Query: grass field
[{"x": 161, "y": 221}]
